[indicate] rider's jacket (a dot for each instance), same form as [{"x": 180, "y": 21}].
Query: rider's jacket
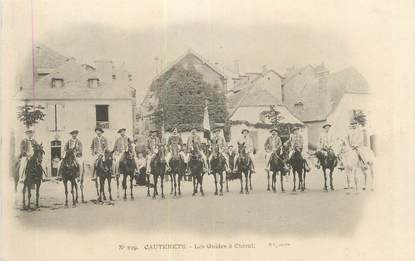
[
  {"x": 75, "y": 145},
  {"x": 273, "y": 143},
  {"x": 121, "y": 144},
  {"x": 247, "y": 140},
  {"x": 175, "y": 140},
  {"x": 218, "y": 142},
  {"x": 326, "y": 140},
  {"x": 355, "y": 138},
  {"x": 193, "y": 140},
  {"x": 99, "y": 145},
  {"x": 152, "y": 144},
  {"x": 296, "y": 141},
  {"x": 26, "y": 147}
]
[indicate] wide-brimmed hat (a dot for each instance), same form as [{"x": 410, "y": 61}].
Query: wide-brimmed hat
[
  {"x": 74, "y": 132},
  {"x": 121, "y": 130},
  {"x": 154, "y": 131},
  {"x": 29, "y": 131},
  {"x": 274, "y": 129},
  {"x": 295, "y": 128},
  {"x": 327, "y": 125},
  {"x": 99, "y": 129},
  {"x": 243, "y": 130}
]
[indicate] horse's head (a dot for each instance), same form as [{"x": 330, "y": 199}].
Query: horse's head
[
  {"x": 38, "y": 153},
  {"x": 241, "y": 148},
  {"x": 109, "y": 156},
  {"x": 69, "y": 158},
  {"x": 161, "y": 153}
]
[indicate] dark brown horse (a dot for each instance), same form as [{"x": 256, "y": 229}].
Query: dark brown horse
[
  {"x": 218, "y": 169},
  {"x": 244, "y": 166},
  {"x": 104, "y": 172},
  {"x": 328, "y": 161},
  {"x": 69, "y": 172},
  {"x": 178, "y": 168},
  {"x": 127, "y": 168},
  {"x": 232, "y": 175},
  {"x": 277, "y": 166},
  {"x": 195, "y": 164},
  {"x": 33, "y": 175},
  {"x": 298, "y": 165},
  {"x": 158, "y": 170}
]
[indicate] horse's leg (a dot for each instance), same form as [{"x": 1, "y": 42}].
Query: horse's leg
[
  {"x": 37, "y": 193},
  {"x": 131, "y": 186},
  {"x": 294, "y": 180},
  {"x": 100, "y": 189},
  {"x": 24, "y": 196},
  {"x": 162, "y": 185},
  {"x": 372, "y": 176},
  {"x": 355, "y": 180},
  {"x": 155, "y": 178},
  {"x": 171, "y": 182},
  {"x": 303, "y": 179},
  {"x": 282, "y": 183},
  {"x": 29, "y": 194},
  {"x": 216, "y": 183},
  {"x": 179, "y": 178},
  {"x": 81, "y": 184},
  {"x": 76, "y": 191},
  {"x": 96, "y": 186},
  {"x": 242, "y": 187},
  {"x": 247, "y": 181},
  {"x": 274, "y": 181},
  {"x": 117, "y": 179},
  {"x": 65, "y": 184},
  {"x": 175, "y": 177},
  {"x": 201, "y": 185},
  {"x": 331, "y": 179},
  {"x": 268, "y": 189},
  {"x": 124, "y": 185},
  {"x": 325, "y": 178},
  {"x": 72, "y": 192},
  {"x": 194, "y": 185},
  {"x": 221, "y": 184},
  {"x": 148, "y": 185},
  {"x": 103, "y": 188},
  {"x": 109, "y": 187},
  {"x": 250, "y": 180}
]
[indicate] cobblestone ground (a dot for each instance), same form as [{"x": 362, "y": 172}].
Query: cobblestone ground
[{"x": 261, "y": 211}]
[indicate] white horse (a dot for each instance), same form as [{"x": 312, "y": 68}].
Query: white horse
[{"x": 352, "y": 164}]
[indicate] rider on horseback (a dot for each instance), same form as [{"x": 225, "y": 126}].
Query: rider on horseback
[
  {"x": 98, "y": 146},
  {"x": 120, "y": 146},
  {"x": 153, "y": 142},
  {"x": 326, "y": 141},
  {"x": 194, "y": 141},
  {"x": 296, "y": 142},
  {"x": 219, "y": 142},
  {"x": 272, "y": 144},
  {"x": 175, "y": 140},
  {"x": 26, "y": 151},
  {"x": 75, "y": 145},
  {"x": 249, "y": 147},
  {"x": 355, "y": 139}
]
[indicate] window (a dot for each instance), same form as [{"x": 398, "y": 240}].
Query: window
[
  {"x": 57, "y": 83},
  {"x": 299, "y": 107},
  {"x": 93, "y": 83},
  {"x": 55, "y": 116},
  {"x": 102, "y": 116}
]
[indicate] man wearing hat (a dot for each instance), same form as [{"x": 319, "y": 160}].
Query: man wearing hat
[
  {"x": 120, "y": 146},
  {"x": 326, "y": 140},
  {"x": 195, "y": 140},
  {"x": 26, "y": 151},
  {"x": 153, "y": 142},
  {"x": 175, "y": 140},
  {"x": 249, "y": 146},
  {"x": 296, "y": 142},
  {"x": 273, "y": 143},
  {"x": 218, "y": 141},
  {"x": 75, "y": 145},
  {"x": 355, "y": 138},
  {"x": 98, "y": 146}
]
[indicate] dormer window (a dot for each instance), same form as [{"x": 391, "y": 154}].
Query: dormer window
[
  {"x": 57, "y": 83},
  {"x": 93, "y": 83},
  {"x": 299, "y": 107}
]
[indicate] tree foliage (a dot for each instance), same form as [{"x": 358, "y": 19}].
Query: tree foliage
[
  {"x": 29, "y": 115},
  {"x": 360, "y": 117},
  {"x": 275, "y": 117},
  {"x": 183, "y": 95}
]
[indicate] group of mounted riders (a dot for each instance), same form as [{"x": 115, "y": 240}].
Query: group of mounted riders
[{"x": 289, "y": 153}]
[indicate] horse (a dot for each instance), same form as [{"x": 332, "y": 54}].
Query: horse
[
  {"x": 127, "y": 168},
  {"x": 104, "y": 172},
  {"x": 69, "y": 172},
  {"x": 298, "y": 166},
  {"x": 158, "y": 169},
  {"x": 328, "y": 161},
  {"x": 195, "y": 165},
  {"x": 244, "y": 165},
  {"x": 178, "y": 168},
  {"x": 231, "y": 175},
  {"x": 33, "y": 175},
  {"x": 276, "y": 165},
  {"x": 218, "y": 167}
]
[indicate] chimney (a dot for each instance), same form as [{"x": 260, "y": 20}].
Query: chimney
[{"x": 236, "y": 66}]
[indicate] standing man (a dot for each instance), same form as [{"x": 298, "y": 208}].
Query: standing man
[
  {"x": 175, "y": 140},
  {"x": 98, "y": 146},
  {"x": 249, "y": 146},
  {"x": 153, "y": 142},
  {"x": 218, "y": 141},
  {"x": 75, "y": 145},
  {"x": 26, "y": 151},
  {"x": 355, "y": 138},
  {"x": 195, "y": 140},
  {"x": 326, "y": 141},
  {"x": 296, "y": 143},
  {"x": 120, "y": 146},
  {"x": 273, "y": 143}
]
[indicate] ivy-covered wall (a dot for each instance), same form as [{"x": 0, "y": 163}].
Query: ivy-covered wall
[{"x": 182, "y": 95}]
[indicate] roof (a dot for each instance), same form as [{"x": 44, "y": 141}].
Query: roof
[{"x": 46, "y": 57}]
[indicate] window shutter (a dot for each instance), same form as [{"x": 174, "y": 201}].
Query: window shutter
[
  {"x": 60, "y": 113},
  {"x": 51, "y": 117}
]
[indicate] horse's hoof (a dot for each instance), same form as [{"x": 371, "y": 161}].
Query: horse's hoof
[
  {"x": 283, "y": 191},
  {"x": 347, "y": 193},
  {"x": 293, "y": 190},
  {"x": 268, "y": 189},
  {"x": 162, "y": 196},
  {"x": 154, "y": 197},
  {"x": 332, "y": 188},
  {"x": 132, "y": 197},
  {"x": 193, "y": 194},
  {"x": 241, "y": 192},
  {"x": 125, "y": 197},
  {"x": 216, "y": 193},
  {"x": 221, "y": 194},
  {"x": 363, "y": 188},
  {"x": 203, "y": 194},
  {"x": 372, "y": 189},
  {"x": 111, "y": 199},
  {"x": 247, "y": 192}
]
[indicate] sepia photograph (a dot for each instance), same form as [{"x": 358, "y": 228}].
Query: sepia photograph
[{"x": 216, "y": 130}]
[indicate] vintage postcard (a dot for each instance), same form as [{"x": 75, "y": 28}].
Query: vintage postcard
[{"x": 207, "y": 129}]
